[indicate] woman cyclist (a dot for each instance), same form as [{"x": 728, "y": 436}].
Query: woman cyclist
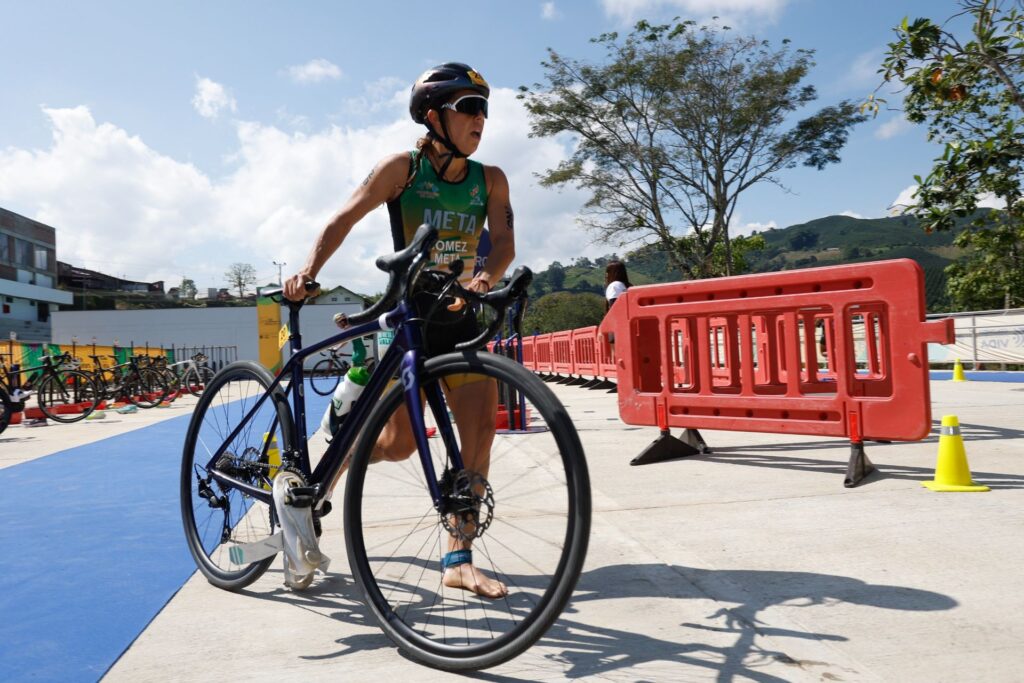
[{"x": 438, "y": 184}]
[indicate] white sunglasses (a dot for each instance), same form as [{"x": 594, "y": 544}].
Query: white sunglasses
[{"x": 468, "y": 104}]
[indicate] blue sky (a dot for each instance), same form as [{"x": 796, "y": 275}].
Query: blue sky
[{"x": 173, "y": 139}]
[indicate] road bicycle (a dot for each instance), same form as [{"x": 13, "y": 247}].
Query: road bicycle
[
  {"x": 133, "y": 381},
  {"x": 64, "y": 393},
  {"x": 527, "y": 517},
  {"x": 328, "y": 372},
  {"x": 194, "y": 375}
]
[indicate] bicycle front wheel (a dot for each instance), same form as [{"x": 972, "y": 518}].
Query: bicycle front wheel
[
  {"x": 325, "y": 377},
  {"x": 526, "y": 516},
  {"x": 215, "y": 516},
  {"x": 68, "y": 397}
]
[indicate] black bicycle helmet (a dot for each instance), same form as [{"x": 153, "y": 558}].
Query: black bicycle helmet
[{"x": 437, "y": 85}]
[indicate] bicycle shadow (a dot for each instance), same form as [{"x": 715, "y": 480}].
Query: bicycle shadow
[
  {"x": 591, "y": 650},
  {"x": 335, "y": 597},
  {"x": 583, "y": 648}
]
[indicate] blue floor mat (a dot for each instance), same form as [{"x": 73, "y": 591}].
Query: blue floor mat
[{"x": 93, "y": 549}]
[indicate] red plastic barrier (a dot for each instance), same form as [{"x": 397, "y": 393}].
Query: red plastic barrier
[
  {"x": 542, "y": 353},
  {"x": 584, "y": 351},
  {"x": 561, "y": 352},
  {"x": 744, "y": 353},
  {"x": 529, "y": 353}
]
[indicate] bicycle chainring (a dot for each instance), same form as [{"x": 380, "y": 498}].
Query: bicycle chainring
[{"x": 467, "y": 504}]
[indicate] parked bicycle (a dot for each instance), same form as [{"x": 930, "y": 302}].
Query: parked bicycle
[
  {"x": 193, "y": 374},
  {"x": 527, "y": 517},
  {"x": 64, "y": 393},
  {"x": 129, "y": 381},
  {"x": 327, "y": 372}
]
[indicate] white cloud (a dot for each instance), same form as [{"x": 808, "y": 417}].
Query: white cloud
[
  {"x": 906, "y": 199},
  {"x": 314, "y": 71},
  {"x": 120, "y": 206},
  {"x": 549, "y": 11},
  {"x": 893, "y": 127},
  {"x": 629, "y": 10},
  {"x": 212, "y": 98},
  {"x": 990, "y": 201},
  {"x": 851, "y": 214},
  {"x": 387, "y": 95},
  {"x": 903, "y": 200}
]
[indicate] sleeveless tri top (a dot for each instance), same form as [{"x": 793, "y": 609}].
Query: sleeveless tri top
[{"x": 458, "y": 211}]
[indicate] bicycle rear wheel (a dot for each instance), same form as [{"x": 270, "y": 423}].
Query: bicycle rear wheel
[
  {"x": 68, "y": 397},
  {"x": 532, "y": 513},
  {"x": 325, "y": 377},
  {"x": 216, "y": 516},
  {"x": 196, "y": 379},
  {"x": 145, "y": 388}
]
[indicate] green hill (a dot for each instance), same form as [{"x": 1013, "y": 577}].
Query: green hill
[{"x": 832, "y": 240}]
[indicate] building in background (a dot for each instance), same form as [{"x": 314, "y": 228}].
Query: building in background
[{"x": 28, "y": 278}]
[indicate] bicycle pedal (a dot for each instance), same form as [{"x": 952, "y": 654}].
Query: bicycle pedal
[{"x": 300, "y": 496}]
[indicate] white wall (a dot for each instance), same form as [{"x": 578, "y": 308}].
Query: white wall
[{"x": 190, "y": 327}]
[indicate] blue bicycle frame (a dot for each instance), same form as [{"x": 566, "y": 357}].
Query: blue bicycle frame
[{"x": 406, "y": 354}]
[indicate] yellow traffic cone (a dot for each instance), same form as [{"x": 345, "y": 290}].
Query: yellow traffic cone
[
  {"x": 951, "y": 471},
  {"x": 958, "y": 372}
]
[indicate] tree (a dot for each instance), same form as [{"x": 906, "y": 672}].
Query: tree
[
  {"x": 970, "y": 93},
  {"x": 556, "y": 276},
  {"x": 674, "y": 126},
  {"x": 563, "y": 311},
  {"x": 239, "y": 276},
  {"x": 187, "y": 289}
]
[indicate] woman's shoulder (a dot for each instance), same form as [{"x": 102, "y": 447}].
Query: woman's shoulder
[
  {"x": 614, "y": 289},
  {"x": 494, "y": 177}
]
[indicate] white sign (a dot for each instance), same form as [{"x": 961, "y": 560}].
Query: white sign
[{"x": 384, "y": 340}]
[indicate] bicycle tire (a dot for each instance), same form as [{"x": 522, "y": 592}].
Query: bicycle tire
[
  {"x": 540, "y": 584},
  {"x": 68, "y": 388},
  {"x": 196, "y": 379},
  {"x": 325, "y": 377},
  {"x": 230, "y": 396},
  {"x": 6, "y": 410},
  {"x": 173, "y": 383},
  {"x": 145, "y": 388}
]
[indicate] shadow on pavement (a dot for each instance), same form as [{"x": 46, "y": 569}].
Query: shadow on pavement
[
  {"x": 581, "y": 649},
  {"x": 765, "y": 455}
]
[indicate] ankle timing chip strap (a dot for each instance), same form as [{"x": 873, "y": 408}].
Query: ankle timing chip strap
[{"x": 456, "y": 557}]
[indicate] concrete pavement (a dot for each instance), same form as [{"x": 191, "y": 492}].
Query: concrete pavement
[{"x": 752, "y": 563}]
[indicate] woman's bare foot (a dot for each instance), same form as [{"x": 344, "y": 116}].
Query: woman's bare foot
[{"x": 469, "y": 578}]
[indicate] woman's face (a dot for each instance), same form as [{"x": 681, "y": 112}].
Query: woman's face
[{"x": 465, "y": 130}]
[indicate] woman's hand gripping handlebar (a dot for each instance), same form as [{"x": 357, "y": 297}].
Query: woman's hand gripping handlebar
[{"x": 499, "y": 300}]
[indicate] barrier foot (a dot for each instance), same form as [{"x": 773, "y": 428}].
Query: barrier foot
[
  {"x": 576, "y": 381},
  {"x": 692, "y": 438},
  {"x": 665, "y": 447},
  {"x": 859, "y": 466},
  {"x": 614, "y": 389}
]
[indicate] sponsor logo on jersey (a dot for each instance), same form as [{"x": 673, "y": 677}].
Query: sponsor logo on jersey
[
  {"x": 474, "y": 197},
  {"x": 428, "y": 190}
]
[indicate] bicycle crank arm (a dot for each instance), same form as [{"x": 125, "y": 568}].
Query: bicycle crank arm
[{"x": 247, "y": 553}]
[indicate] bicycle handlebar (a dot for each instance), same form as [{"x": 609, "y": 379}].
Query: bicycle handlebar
[
  {"x": 406, "y": 265},
  {"x": 403, "y": 267}
]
